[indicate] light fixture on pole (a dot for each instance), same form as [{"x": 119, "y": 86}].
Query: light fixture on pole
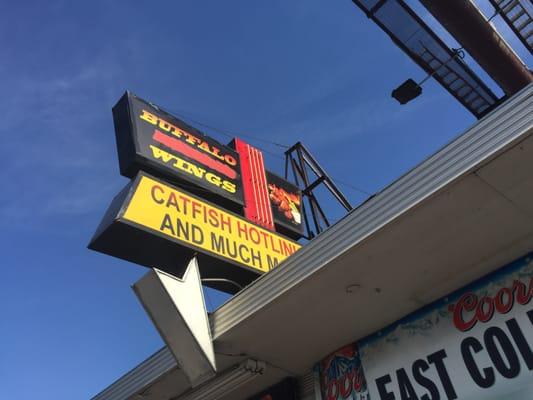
[
  {"x": 407, "y": 91},
  {"x": 410, "y": 90},
  {"x": 226, "y": 382}
]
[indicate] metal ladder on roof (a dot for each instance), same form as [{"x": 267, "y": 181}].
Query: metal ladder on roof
[
  {"x": 465, "y": 92},
  {"x": 519, "y": 19}
]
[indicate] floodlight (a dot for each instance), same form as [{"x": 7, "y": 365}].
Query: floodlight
[{"x": 407, "y": 91}]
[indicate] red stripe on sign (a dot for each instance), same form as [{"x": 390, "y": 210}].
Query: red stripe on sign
[
  {"x": 266, "y": 198},
  {"x": 259, "y": 187},
  {"x": 251, "y": 211},
  {"x": 257, "y": 203},
  {"x": 194, "y": 154}
]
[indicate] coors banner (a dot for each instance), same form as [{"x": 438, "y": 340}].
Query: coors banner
[
  {"x": 475, "y": 344},
  {"x": 341, "y": 375}
]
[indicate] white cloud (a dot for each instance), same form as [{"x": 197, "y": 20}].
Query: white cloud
[{"x": 58, "y": 142}]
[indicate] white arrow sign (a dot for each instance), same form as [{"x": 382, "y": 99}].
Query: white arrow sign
[{"x": 177, "y": 309}]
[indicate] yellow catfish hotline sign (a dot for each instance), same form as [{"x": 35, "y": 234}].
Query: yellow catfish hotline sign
[
  {"x": 157, "y": 225},
  {"x": 183, "y": 217}
]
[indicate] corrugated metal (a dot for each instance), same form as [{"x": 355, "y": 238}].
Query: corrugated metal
[
  {"x": 306, "y": 386},
  {"x": 498, "y": 129},
  {"x": 511, "y": 121},
  {"x": 228, "y": 382},
  {"x": 140, "y": 377}
]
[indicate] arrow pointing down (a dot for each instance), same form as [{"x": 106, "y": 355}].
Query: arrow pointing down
[{"x": 177, "y": 309}]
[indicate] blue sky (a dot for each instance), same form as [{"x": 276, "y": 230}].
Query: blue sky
[{"x": 312, "y": 70}]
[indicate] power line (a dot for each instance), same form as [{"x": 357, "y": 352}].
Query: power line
[
  {"x": 193, "y": 188},
  {"x": 227, "y": 132},
  {"x": 232, "y": 134},
  {"x": 350, "y": 186}
]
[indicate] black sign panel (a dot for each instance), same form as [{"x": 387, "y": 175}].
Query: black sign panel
[
  {"x": 152, "y": 140},
  {"x": 152, "y": 223},
  {"x": 286, "y": 202}
]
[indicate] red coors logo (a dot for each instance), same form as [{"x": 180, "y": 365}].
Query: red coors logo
[
  {"x": 350, "y": 382},
  {"x": 470, "y": 309}
]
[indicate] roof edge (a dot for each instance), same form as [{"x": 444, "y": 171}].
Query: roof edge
[{"x": 503, "y": 126}]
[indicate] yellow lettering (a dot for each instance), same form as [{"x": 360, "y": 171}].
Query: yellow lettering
[
  {"x": 148, "y": 117},
  {"x": 229, "y": 187}
]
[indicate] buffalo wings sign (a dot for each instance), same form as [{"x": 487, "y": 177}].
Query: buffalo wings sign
[
  {"x": 153, "y": 140},
  {"x": 474, "y": 344},
  {"x": 186, "y": 192}
]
